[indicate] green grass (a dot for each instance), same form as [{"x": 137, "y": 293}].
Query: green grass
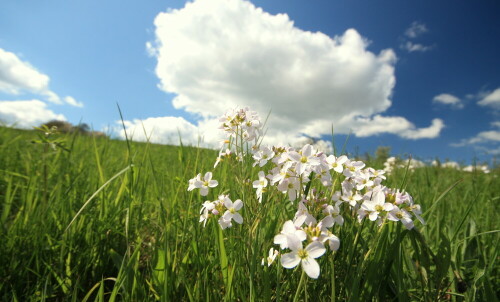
[{"x": 136, "y": 235}]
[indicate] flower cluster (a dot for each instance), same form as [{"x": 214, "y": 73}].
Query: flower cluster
[
  {"x": 322, "y": 186},
  {"x": 241, "y": 123},
  {"x": 223, "y": 207},
  {"x": 361, "y": 191}
]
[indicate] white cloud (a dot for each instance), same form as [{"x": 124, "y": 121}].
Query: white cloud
[
  {"x": 17, "y": 77},
  {"x": 396, "y": 125},
  {"x": 416, "y": 29},
  {"x": 216, "y": 55},
  {"x": 70, "y": 100},
  {"x": 495, "y": 124},
  {"x": 448, "y": 99},
  {"x": 26, "y": 114},
  {"x": 491, "y": 151},
  {"x": 484, "y": 137},
  {"x": 491, "y": 99},
  {"x": 166, "y": 130},
  {"x": 412, "y": 47}
]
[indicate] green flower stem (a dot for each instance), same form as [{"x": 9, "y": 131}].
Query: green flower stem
[{"x": 299, "y": 288}]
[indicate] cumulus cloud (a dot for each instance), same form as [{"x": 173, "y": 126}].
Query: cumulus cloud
[
  {"x": 222, "y": 54},
  {"x": 168, "y": 130},
  {"x": 448, "y": 99},
  {"x": 491, "y": 99},
  {"x": 17, "y": 77},
  {"x": 416, "y": 29},
  {"x": 26, "y": 114}
]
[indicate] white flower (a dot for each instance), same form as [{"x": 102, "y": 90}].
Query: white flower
[
  {"x": 290, "y": 185},
  {"x": 290, "y": 233},
  {"x": 280, "y": 174},
  {"x": 334, "y": 212},
  {"x": 207, "y": 207},
  {"x": 232, "y": 208},
  {"x": 192, "y": 182},
  {"x": 336, "y": 163},
  {"x": 352, "y": 168},
  {"x": 260, "y": 185},
  {"x": 333, "y": 241},
  {"x": 305, "y": 159},
  {"x": 206, "y": 183},
  {"x": 222, "y": 154},
  {"x": 272, "y": 256},
  {"x": 303, "y": 216},
  {"x": 401, "y": 215},
  {"x": 351, "y": 198},
  {"x": 375, "y": 205},
  {"x": 263, "y": 156},
  {"x": 363, "y": 180},
  {"x": 224, "y": 224},
  {"x": 306, "y": 257}
]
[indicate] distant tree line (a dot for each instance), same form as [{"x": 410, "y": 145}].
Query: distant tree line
[{"x": 66, "y": 127}]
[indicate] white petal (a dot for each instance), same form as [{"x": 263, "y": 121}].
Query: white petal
[
  {"x": 300, "y": 220},
  {"x": 238, "y": 204},
  {"x": 203, "y": 191},
  {"x": 208, "y": 176},
  {"x": 315, "y": 249},
  {"x": 237, "y": 217},
  {"x": 213, "y": 183},
  {"x": 388, "y": 206},
  {"x": 294, "y": 242},
  {"x": 290, "y": 260},
  {"x": 334, "y": 242},
  {"x": 373, "y": 216},
  {"x": 289, "y": 227},
  {"x": 228, "y": 203},
  {"x": 281, "y": 240},
  {"x": 327, "y": 222},
  {"x": 227, "y": 216},
  {"x": 301, "y": 235},
  {"x": 311, "y": 267}
]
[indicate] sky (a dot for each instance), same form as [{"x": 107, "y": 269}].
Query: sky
[{"x": 422, "y": 77}]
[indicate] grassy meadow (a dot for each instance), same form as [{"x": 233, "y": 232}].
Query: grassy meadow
[{"x": 95, "y": 219}]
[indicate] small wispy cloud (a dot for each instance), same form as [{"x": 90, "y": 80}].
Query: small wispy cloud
[
  {"x": 490, "y": 99},
  {"x": 485, "y": 141},
  {"x": 415, "y": 47},
  {"x": 416, "y": 29},
  {"x": 448, "y": 99}
]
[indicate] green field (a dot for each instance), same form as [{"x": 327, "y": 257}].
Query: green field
[{"x": 108, "y": 220}]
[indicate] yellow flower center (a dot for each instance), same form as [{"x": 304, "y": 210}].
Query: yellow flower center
[{"x": 302, "y": 253}]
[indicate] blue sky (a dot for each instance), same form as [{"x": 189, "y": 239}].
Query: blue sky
[{"x": 421, "y": 77}]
